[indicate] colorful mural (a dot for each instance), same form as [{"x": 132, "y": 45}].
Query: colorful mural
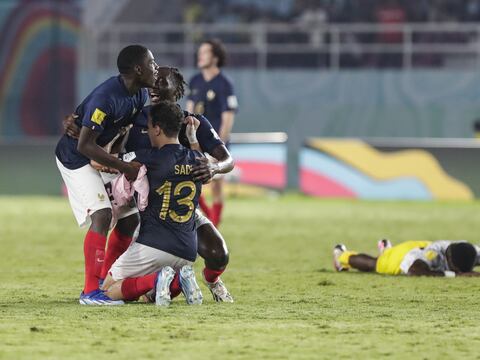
[
  {"x": 357, "y": 169},
  {"x": 38, "y": 42},
  {"x": 261, "y": 164}
]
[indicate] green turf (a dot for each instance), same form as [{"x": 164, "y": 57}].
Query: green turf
[{"x": 289, "y": 302}]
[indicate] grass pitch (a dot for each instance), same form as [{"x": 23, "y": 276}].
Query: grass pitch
[{"x": 289, "y": 302}]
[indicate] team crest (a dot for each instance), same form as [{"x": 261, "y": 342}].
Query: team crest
[
  {"x": 210, "y": 95},
  {"x": 101, "y": 197}
]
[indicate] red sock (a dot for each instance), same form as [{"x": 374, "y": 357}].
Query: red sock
[
  {"x": 212, "y": 275},
  {"x": 175, "y": 287},
  {"x": 133, "y": 288},
  {"x": 216, "y": 213},
  {"x": 204, "y": 206},
  {"x": 117, "y": 244},
  {"x": 94, "y": 252}
]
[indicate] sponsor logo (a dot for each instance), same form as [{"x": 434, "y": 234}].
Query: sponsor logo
[{"x": 98, "y": 116}]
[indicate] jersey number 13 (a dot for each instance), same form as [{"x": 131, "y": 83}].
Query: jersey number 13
[{"x": 166, "y": 191}]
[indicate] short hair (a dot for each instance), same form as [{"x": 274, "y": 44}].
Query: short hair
[
  {"x": 463, "y": 256},
  {"x": 218, "y": 50},
  {"x": 168, "y": 116},
  {"x": 129, "y": 57}
]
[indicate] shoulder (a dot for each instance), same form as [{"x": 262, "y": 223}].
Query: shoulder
[{"x": 225, "y": 79}]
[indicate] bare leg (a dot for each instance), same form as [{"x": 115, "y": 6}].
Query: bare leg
[{"x": 363, "y": 262}]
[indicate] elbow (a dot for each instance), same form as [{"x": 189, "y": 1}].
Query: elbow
[
  {"x": 83, "y": 148},
  {"x": 231, "y": 164}
]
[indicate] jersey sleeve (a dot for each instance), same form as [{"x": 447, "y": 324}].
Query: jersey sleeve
[
  {"x": 96, "y": 112},
  {"x": 207, "y": 137},
  {"x": 228, "y": 99}
]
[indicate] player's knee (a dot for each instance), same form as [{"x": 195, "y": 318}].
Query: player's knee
[
  {"x": 127, "y": 225},
  {"x": 218, "y": 258},
  {"x": 101, "y": 220}
]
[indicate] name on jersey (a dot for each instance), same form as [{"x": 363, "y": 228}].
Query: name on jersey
[{"x": 183, "y": 169}]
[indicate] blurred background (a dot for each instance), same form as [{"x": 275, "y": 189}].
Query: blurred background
[{"x": 352, "y": 98}]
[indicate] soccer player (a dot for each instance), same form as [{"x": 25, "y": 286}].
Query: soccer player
[
  {"x": 166, "y": 246},
  {"x": 211, "y": 94},
  {"x": 416, "y": 258},
  {"x": 211, "y": 245},
  {"x": 108, "y": 108}
]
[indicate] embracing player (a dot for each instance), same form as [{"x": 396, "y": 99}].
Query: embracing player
[
  {"x": 166, "y": 247},
  {"x": 416, "y": 258},
  {"x": 211, "y": 94},
  {"x": 212, "y": 248},
  {"x": 109, "y": 107}
]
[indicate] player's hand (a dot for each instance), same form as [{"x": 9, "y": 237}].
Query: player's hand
[
  {"x": 192, "y": 125},
  {"x": 131, "y": 170},
  {"x": 69, "y": 126},
  {"x": 204, "y": 170},
  {"x": 99, "y": 167}
]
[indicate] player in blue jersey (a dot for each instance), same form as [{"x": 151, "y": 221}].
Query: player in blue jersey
[
  {"x": 166, "y": 246},
  {"x": 109, "y": 107},
  {"x": 211, "y": 245},
  {"x": 211, "y": 94}
]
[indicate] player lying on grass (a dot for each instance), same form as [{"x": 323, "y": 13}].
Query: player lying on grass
[
  {"x": 108, "y": 108},
  {"x": 166, "y": 247},
  {"x": 211, "y": 245},
  {"x": 416, "y": 258}
]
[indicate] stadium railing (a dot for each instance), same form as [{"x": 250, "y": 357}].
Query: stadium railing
[{"x": 258, "y": 45}]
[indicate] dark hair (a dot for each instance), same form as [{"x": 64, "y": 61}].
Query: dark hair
[
  {"x": 463, "y": 256},
  {"x": 129, "y": 57},
  {"x": 179, "y": 83},
  {"x": 168, "y": 116},
  {"x": 218, "y": 50}
]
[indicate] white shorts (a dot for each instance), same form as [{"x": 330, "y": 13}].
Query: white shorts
[
  {"x": 141, "y": 260},
  {"x": 87, "y": 193},
  {"x": 201, "y": 219}
]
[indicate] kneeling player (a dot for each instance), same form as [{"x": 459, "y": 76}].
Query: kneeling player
[
  {"x": 166, "y": 246},
  {"x": 417, "y": 258}
]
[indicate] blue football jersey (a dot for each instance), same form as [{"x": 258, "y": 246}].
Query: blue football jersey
[
  {"x": 138, "y": 139},
  {"x": 168, "y": 222},
  {"x": 212, "y": 98},
  {"x": 108, "y": 108}
]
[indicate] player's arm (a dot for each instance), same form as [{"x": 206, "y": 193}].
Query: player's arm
[
  {"x": 70, "y": 127},
  {"x": 229, "y": 105},
  {"x": 205, "y": 169},
  {"x": 191, "y": 132},
  {"x": 228, "y": 118},
  {"x": 88, "y": 147},
  {"x": 421, "y": 268}
]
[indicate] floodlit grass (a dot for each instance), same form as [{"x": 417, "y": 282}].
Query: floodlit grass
[{"x": 289, "y": 302}]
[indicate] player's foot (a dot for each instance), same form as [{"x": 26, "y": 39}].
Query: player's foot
[
  {"x": 219, "y": 291},
  {"x": 162, "y": 286},
  {"x": 383, "y": 245},
  {"x": 190, "y": 288},
  {"x": 97, "y": 297},
  {"x": 337, "y": 251}
]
